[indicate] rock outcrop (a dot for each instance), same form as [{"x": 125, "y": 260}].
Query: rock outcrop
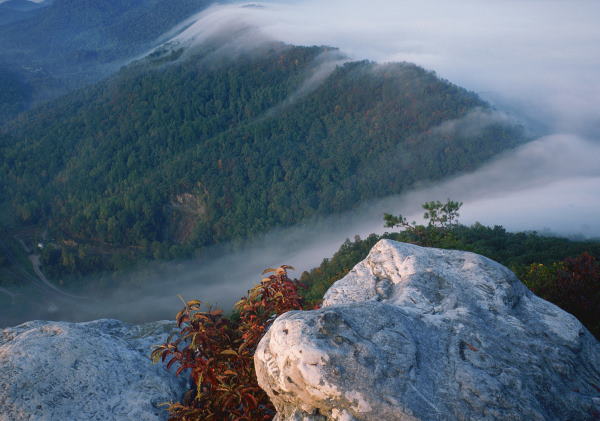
[
  {"x": 425, "y": 334},
  {"x": 100, "y": 370}
]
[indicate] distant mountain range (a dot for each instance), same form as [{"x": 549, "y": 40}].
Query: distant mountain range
[
  {"x": 53, "y": 47},
  {"x": 186, "y": 149},
  {"x": 23, "y": 5},
  {"x": 15, "y": 10}
]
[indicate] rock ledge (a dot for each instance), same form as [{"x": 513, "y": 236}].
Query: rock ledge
[
  {"x": 416, "y": 333},
  {"x": 100, "y": 370}
]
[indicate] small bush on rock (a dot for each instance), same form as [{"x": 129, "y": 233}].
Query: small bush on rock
[
  {"x": 440, "y": 217},
  {"x": 218, "y": 352}
]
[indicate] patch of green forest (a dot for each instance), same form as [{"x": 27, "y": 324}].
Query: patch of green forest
[
  {"x": 15, "y": 94},
  {"x": 560, "y": 270},
  {"x": 516, "y": 250},
  {"x": 173, "y": 155}
]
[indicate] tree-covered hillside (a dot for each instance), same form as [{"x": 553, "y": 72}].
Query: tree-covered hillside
[
  {"x": 562, "y": 271},
  {"x": 516, "y": 250},
  {"x": 68, "y": 30},
  {"x": 173, "y": 155},
  {"x": 15, "y": 94}
]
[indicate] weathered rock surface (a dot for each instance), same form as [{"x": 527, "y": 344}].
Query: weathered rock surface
[
  {"x": 100, "y": 370},
  {"x": 416, "y": 333}
]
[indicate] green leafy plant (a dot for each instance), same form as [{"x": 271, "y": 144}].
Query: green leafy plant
[{"x": 217, "y": 352}]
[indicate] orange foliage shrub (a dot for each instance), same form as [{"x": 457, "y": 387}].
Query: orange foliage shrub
[
  {"x": 573, "y": 285},
  {"x": 218, "y": 352}
]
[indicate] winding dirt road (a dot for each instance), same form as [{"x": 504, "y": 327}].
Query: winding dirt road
[{"x": 35, "y": 262}]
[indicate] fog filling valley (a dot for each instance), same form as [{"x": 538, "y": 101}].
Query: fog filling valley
[{"x": 536, "y": 61}]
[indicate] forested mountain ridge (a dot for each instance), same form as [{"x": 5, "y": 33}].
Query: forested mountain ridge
[{"x": 169, "y": 157}]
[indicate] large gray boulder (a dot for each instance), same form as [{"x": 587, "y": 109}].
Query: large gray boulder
[
  {"x": 416, "y": 333},
  {"x": 100, "y": 370}
]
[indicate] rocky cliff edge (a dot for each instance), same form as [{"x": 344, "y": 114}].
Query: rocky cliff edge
[{"x": 416, "y": 333}]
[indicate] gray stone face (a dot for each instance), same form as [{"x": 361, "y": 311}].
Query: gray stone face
[
  {"x": 416, "y": 333},
  {"x": 100, "y": 370}
]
